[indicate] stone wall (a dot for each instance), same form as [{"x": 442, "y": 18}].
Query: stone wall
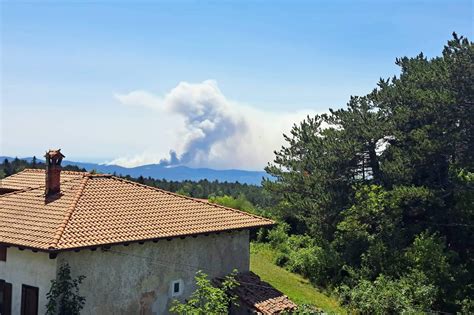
[{"x": 137, "y": 279}]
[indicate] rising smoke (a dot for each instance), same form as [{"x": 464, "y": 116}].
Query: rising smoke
[
  {"x": 209, "y": 119},
  {"x": 216, "y": 132}
]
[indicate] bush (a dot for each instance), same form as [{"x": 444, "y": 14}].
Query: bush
[
  {"x": 63, "y": 297},
  {"x": 428, "y": 253},
  {"x": 411, "y": 293},
  {"x": 467, "y": 306},
  {"x": 281, "y": 259},
  {"x": 262, "y": 235},
  {"x": 278, "y": 236},
  {"x": 240, "y": 203},
  {"x": 300, "y": 254},
  {"x": 208, "y": 299},
  {"x": 316, "y": 263},
  {"x": 304, "y": 261}
]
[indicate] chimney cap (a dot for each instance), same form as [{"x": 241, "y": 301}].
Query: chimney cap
[{"x": 51, "y": 154}]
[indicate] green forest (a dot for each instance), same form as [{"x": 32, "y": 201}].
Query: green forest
[{"x": 374, "y": 201}]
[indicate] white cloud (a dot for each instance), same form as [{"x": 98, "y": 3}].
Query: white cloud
[{"x": 215, "y": 132}]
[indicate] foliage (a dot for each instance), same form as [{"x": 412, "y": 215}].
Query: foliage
[
  {"x": 411, "y": 293},
  {"x": 205, "y": 189},
  {"x": 208, "y": 299},
  {"x": 278, "y": 236},
  {"x": 240, "y": 203},
  {"x": 300, "y": 254},
  {"x": 305, "y": 309},
  {"x": 63, "y": 296},
  {"x": 385, "y": 188},
  {"x": 16, "y": 165}
]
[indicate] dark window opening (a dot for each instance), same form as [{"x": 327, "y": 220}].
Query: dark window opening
[
  {"x": 5, "y": 298},
  {"x": 176, "y": 287},
  {"x": 3, "y": 253},
  {"x": 29, "y": 300}
]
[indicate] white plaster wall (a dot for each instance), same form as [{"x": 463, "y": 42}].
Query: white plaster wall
[
  {"x": 136, "y": 279},
  {"x": 27, "y": 267}
]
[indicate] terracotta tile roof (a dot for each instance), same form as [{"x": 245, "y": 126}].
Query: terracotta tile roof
[
  {"x": 261, "y": 296},
  {"x": 94, "y": 210},
  {"x": 30, "y": 178}
]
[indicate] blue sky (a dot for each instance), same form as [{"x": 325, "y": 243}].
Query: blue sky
[{"x": 67, "y": 70}]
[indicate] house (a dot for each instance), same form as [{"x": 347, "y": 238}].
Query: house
[{"x": 138, "y": 246}]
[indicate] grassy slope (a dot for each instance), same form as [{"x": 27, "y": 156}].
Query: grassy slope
[{"x": 294, "y": 286}]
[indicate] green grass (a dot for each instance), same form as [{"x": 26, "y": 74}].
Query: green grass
[{"x": 297, "y": 288}]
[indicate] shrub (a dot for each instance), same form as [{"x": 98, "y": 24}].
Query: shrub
[
  {"x": 411, "y": 293},
  {"x": 304, "y": 261},
  {"x": 63, "y": 297},
  {"x": 262, "y": 235},
  {"x": 240, "y": 203},
  {"x": 300, "y": 254},
  {"x": 428, "y": 253},
  {"x": 278, "y": 236},
  {"x": 281, "y": 259},
  {"x": 208, "y": 299},
  {"x": 467, "y": 306}
]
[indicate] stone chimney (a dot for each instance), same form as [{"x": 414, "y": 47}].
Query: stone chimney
[{"x": 53, "y": 171}]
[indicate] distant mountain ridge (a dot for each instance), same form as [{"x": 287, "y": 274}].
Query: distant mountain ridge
[{"x": 175, "y": 173}]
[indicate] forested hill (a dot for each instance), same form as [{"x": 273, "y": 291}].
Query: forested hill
[
  {"x": 174, "y": 173},
  {"x": 239, "y": 192}
]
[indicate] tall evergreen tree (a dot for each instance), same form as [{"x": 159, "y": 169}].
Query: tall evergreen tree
[{"x": 393, "y": 167}]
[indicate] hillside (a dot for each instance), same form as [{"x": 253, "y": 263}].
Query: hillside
[{"x": 294, "y": 286}]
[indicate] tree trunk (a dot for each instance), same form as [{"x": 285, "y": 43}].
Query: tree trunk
[{"x": 374, "y": 163}]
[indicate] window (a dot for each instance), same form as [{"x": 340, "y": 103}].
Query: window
[
  {"x": 176, "y": 288},
  {"x": 5, "y": 298},
  {"x": 3, "y": 254},
  {"x": 29, "y": 300}
]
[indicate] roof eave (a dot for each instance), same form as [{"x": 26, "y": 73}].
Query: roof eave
[{"x": 105, "y": 245}]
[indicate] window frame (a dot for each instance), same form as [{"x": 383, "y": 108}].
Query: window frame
[
  {"x": 173, "y": 284},
  {"x": 176, "y": 287}
]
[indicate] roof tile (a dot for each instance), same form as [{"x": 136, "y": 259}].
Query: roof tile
[
  {"x": 260, "y": 295},
  {"x": 94, "y": 210}
]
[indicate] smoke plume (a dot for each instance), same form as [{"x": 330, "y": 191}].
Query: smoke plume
[{"x": 215, "y": 132}]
